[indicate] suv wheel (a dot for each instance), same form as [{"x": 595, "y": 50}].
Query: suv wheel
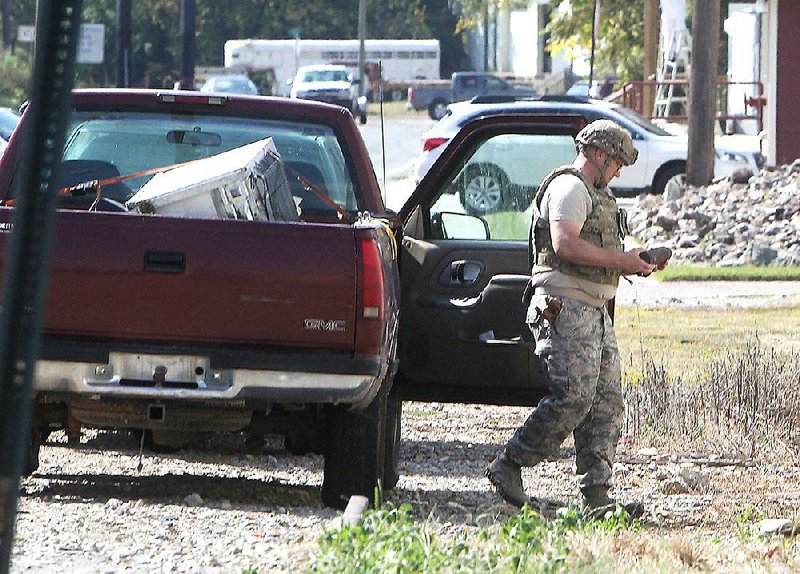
[
  {"x": 672, "y": 177},
  {"x": 482, "y": 189}
]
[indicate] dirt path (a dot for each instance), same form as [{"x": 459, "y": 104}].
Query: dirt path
[{"x": 649, "y": 292}]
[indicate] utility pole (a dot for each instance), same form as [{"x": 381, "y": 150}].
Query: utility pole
[
  {"x": 650, "y": 54},
  {"x": 362, "y": 52},
  {"x": 188, "y": 44},
  {"x": 123, "y": 43},
  {"x": 703, "y": 91}
]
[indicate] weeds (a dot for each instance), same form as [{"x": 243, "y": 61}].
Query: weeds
[
  {"x": 392, "y": 540},
  {"x": 747, "y": 400}
]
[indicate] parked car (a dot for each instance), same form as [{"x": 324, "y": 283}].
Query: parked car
[
  {"x": 232, "y": 84},
  {"x": 9, "y": 119},
  {"x": 329, "y": 83},
  {"x": 662, "y": 155},
  {"x": 435, "y": 96}
]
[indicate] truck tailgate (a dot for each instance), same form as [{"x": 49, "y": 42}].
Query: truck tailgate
[{"x": 218, "y": 282}]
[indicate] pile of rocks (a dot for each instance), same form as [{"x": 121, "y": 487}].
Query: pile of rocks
[{"x": 746, "y": 219}]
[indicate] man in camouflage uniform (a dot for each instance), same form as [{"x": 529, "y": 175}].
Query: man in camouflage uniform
[{"x": 578, "y": 257}]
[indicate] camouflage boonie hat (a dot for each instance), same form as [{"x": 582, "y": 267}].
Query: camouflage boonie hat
[{"x": 609, "y": 137}]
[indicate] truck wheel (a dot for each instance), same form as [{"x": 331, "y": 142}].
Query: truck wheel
[
  {"x": 307, "y": 438},
  {"x": 437, "y": 109},
  {"x": 32, "y": 456},
  {"x": 391, "y": 463},
  {"x": 354, "y": 451},
  {"x": 482, "y": 189}
]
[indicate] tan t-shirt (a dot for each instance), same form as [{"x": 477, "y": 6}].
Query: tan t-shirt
[{"x": 566, "y": 199}]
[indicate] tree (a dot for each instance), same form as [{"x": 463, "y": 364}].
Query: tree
[
  {"x": 156, "y": 44},
  {"x": 619, "y": 49}
]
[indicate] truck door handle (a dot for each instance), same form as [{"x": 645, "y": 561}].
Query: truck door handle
[
  {"x": 463, "y": 272},
  {"x": 165, "y": 262}
]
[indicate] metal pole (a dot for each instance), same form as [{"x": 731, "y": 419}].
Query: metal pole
[
  {"x": 362, "y": 52},
  {"x": 595, "y": 17},
  {"x": 28, "y": 257},
  {"x": 123, "y": 43},
  {"x": 188, "y": 44}
]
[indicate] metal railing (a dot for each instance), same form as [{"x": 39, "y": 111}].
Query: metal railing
[{"x": 639, "y": 96}]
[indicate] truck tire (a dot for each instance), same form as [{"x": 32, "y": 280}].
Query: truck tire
[
  {"x": 391, "y": 463},
  {"x": 31, "y": 462},
  {"x": 354, "y": 451},
  {"x": 437, "y": 109},
  {"x": 483, "y": 189}
]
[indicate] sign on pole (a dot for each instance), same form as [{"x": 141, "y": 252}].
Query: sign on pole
[
  {"x": 90, "y": 43},
  {"x": 26, "y": 33}
]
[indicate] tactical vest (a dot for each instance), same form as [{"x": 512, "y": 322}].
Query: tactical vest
[{"x": 605, "y": 226}]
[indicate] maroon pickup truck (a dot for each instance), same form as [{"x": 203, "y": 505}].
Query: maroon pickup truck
[
  {"x": 172, "y": 324},
  {"x": 180, "y": 324}
]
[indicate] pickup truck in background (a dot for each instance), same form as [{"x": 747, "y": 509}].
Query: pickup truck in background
[
  {"x": 435, "y": 96},
  {"x": 312, "y": 318}
]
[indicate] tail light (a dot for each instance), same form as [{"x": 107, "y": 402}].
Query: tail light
[
  {"x": 433, "y": 143},
  {"x": 411, "y": 95},
  {"x": 370, "y": 279}
]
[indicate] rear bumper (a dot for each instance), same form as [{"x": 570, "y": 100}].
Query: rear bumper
[{"x": 250, "y": 377}]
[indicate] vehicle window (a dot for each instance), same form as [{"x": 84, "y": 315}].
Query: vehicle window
[
  {"x": 131, "y": 143},
  {"x": 495, "y": 83},
  {"x": 641, "y": 122},
  {"x": 499, "y": 179}
]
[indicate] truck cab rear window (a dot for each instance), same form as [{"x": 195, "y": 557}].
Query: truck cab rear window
[{"x": 130, "y": 147}]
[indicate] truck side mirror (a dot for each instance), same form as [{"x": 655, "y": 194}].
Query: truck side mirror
[{"x": 450, "y": 225}]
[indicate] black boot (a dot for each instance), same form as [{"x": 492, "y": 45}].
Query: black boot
[
  {"x": 506, "y": 476},
  {"x": 598, "y": 502}
]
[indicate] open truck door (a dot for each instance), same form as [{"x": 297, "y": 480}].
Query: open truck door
[{"x": 464, "y": 262}]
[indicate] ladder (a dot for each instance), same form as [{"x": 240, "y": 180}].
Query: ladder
[{"x": 672, "y": 96}]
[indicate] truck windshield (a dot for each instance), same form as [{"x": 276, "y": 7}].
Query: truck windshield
[{"x": 136, "y": 142}]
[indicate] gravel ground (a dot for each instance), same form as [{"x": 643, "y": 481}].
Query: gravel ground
[
  {"x": 89, "y": 509},
  {"x": 213, "y": 508}
]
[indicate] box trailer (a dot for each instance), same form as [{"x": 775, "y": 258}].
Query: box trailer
[{"x": 400, "y": 61}]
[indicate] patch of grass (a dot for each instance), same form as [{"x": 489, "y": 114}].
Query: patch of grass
[
  {"x": 742, "y": 273},
  {"x": 394, "y": 110},
  {"x": 393, "y": 540},
  {"x": 685, "y": 341}
]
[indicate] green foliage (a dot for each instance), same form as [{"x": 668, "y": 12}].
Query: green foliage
[
  {"x": 739, "y": 273},
  {"x": 620, "y": 36},
  {"x": 156, "y": 40},
  {"x": 473, "y": 12},
  {"x": 15, "y": 74},
  {"x": 745, "y": 520},
  {"x": 392, "y": 540}
]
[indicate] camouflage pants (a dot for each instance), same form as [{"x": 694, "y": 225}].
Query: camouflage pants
[{"x": 580, "y": 355}]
